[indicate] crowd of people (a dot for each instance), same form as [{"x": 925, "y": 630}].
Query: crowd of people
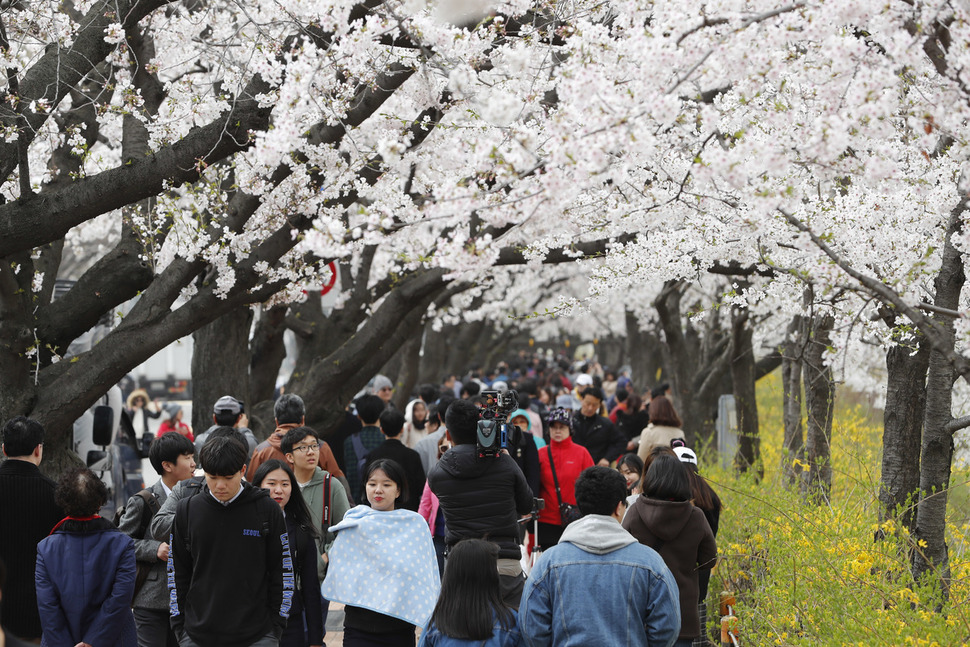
[{"x": 592, "y": 526}]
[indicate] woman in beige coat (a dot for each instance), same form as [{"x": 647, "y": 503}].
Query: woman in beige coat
[{"x": 664, "y": 427}]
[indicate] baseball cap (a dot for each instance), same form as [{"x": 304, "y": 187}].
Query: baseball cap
[
  {"x": 686, "y": 455},
  {"x": 228, "y": 404},
  {"x": 584, "y": 379}
]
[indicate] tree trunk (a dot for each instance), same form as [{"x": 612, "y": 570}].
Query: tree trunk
[
  {"x": 937, "y": 449},
  {"x": 433, "y": 364},
  {"x": 644, "y": 354},
  {"x": 407, "y": 376},
  {"x": 698, "y": 364},
  {"x": 819, "y": 403},
  {"x": 668, "y": 308},
  {"x": 743, "y": 377},
  {"x": 463, "y": 351},
  {"x": 793, "y": 447},
  {"x": 902, "y": 433},
  {"x": 220, "y": 364},
  {"x": 335, "y": 379},
  {"x": 267, "y": 353}
]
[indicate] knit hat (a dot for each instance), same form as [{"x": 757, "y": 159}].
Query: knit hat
[
  {"x": 380, "y": 382},
  {"x": 564, "y": 401},
  {"x": 562, "y": 415},
  {"x": 172, "y": 409},
  {"x": 686, "y": 455},
  {"x": 524, "y": 414}
]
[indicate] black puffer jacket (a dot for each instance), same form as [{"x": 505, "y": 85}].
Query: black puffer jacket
[
  {"x": 598, "y": 435},
  {"x": 482, "y": 498}
]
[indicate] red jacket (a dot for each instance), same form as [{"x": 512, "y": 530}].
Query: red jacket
[{"x": 571, "y": 459}]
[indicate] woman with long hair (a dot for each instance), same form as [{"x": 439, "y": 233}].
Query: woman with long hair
[
  {"x": 706, "y": 499},
  {"x": 631, "y": 467},
  {"x": 664, "y": 518},
  {"x": 278, "y": 479},
  {"x": 382, "y": 564},
  {"x": 415, "y": 422},
  {"x": 470, "y": 611},
  {"x": 665, "y": 426}
]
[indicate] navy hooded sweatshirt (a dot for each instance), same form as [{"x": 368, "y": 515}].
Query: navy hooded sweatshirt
[{"x": 230, "y": 571}]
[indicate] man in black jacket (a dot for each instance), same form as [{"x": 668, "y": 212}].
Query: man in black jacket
[
  {"x": 392, "y": 425},
  {"x": 27, "y": 514},
  {"x": 595, "y": 432},
  {"x": 229, "y": 538},
  {"x": 482, "y": 498}
]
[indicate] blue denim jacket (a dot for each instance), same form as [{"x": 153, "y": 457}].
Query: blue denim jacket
[
  {"x": 598, "y": 586},
  {"x": 432, "y": 637}
]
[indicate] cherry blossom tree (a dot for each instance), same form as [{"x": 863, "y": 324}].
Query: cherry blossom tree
[{"x": 232, "y": 151}]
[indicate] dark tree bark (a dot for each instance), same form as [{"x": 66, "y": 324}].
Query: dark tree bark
[
  {"x": 267, "y": 352},
  {"x": 793, "y": 447},
  {"x": 743, "y": 376},
  {"x": 643, "y": 351},
  {"x": 819, "y": 405},
  {"x": 697, "y": 363},
  {"x": 434, "y": 355},
  {"x": 464, "y": 351},
  {"x": 319, "y": 335},
  {"x": 220, "y": 364},
  {"x": 407, "y": 375},
  {"x": 936, "y": 453},
  {"x": 335, "y": 379},
  {"x": 902, "y": 433}
]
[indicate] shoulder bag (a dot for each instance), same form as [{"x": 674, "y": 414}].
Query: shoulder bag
[{"x": 568, "y": 513}]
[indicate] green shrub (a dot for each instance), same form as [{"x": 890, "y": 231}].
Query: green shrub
[{"x": 813, "y": 575}]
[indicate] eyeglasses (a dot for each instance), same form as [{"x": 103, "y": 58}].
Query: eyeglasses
[{"x": 306, "y": 448}]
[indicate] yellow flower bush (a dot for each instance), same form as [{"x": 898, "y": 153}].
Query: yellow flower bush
[{"x": 814, "y": 575}]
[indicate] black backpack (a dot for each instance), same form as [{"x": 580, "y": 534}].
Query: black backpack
[{"x": 152, "y": 506}]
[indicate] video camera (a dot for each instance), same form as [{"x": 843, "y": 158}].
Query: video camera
[{"x": 493, "y": 430}]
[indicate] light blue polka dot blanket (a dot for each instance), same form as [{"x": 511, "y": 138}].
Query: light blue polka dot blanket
[{"x": 385, "y": 562}]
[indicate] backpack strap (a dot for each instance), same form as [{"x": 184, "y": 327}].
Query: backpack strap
[
  {"x": 327, "y": 502},
  {"x": 151, "y": 508},
  {"x": 195, "y": 485},
  {"x": 359, "y": 447}
]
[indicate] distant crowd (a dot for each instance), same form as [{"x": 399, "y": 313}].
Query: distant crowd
[{"x": 592, "y": 526}]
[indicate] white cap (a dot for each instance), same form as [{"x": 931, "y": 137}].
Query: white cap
[
  {"x": 584, "y": 379},
  {"x": 686, "y": 455}
]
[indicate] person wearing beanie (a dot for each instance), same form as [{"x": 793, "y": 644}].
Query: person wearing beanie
[{"x": 173, "y": 421}]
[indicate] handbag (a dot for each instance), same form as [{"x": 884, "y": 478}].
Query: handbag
[{"x": 568, "y": 513}]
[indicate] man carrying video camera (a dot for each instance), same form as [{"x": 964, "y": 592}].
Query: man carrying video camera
[{"x": 482, "y": 495}]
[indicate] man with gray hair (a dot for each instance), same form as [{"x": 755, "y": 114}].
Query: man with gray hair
[{"x": 290, "y": 413}]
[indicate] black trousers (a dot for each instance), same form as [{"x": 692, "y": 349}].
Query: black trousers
[{"x": 153, "y": 628}]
